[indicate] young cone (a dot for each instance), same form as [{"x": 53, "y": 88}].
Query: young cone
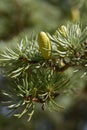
[
  {"x": 44, "y": 45},
  {"x": 63, "y": 30}
]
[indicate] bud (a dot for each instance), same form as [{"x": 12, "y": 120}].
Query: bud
[
  {"x": 44, "y": 45},
  {"x": 75, "y": 13},
  {"x": 63, "y": 30}
]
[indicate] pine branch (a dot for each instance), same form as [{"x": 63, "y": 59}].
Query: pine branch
[{"x": 36, "y": 67}]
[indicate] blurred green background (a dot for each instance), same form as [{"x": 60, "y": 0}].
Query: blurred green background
[{"x": 21, "y": 18}]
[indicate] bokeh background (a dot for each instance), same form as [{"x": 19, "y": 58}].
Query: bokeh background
[{"x": 25, "y": 18}]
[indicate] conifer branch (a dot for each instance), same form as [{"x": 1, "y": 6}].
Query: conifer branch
[{"x": 36, "y": 67}]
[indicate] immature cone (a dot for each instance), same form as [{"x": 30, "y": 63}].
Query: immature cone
[
  {"x": 63, "y": 30},
  {"x": 75, "y": 13},
  {"x": 44, "y": 45}
]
